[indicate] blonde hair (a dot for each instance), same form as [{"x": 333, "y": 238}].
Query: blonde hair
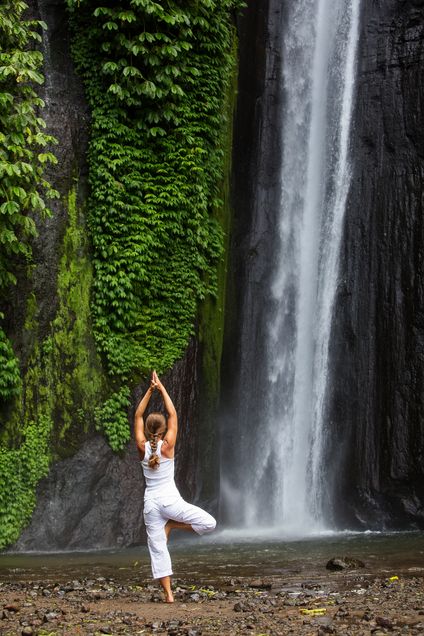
[{"x": 155, "y": 425}]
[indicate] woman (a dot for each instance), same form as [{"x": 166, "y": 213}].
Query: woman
[{"x": 164, "y": 508}]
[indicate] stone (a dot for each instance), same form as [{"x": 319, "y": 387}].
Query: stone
[
  {"x": 381, "y": 621},
  {"x": 344, "y": 563}
]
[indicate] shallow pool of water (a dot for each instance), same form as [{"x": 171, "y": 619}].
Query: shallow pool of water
[{"x": 227, "y": 555}]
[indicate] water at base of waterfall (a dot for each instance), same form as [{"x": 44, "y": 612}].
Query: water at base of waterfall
[{"x": 218, "y": 557}]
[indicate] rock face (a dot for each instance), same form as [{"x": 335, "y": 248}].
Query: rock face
[
  {"x": 374, "y": 461},
  {"x": 94, "y": 500},
  {"x": 67, "y": 118},
  {"x": 377, "y": 406}
]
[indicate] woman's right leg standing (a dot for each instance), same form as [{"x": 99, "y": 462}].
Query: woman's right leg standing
[{"x": 157, "y": 541}]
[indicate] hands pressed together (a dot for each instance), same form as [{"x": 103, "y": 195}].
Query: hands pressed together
[{"x": 155, "y": 383}]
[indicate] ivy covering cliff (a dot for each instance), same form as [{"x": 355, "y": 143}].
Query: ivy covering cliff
[
  {"x": 157, "y": 80},
  {"x": 156, "y": 76},
  {"x": 23, "y": 194},
  {"x": 23, "y": 188}
]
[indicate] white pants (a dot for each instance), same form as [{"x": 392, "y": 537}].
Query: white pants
[{"x": 156, "y": 513}]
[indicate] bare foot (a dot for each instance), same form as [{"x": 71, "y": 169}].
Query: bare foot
[{"x": 169, "y": 598}]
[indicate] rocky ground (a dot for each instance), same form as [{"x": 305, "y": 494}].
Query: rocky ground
[{"x": 347, "y": 602}]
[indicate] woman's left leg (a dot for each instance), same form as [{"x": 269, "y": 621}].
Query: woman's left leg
[
  {"x": 176, "y": 525},
  {"x": 186, "y": 516}
]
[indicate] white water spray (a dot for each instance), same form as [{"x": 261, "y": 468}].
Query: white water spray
[{"x": 319, "y": 54}]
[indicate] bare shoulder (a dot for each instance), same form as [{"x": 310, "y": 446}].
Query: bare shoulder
[{"x": 167, "y": 450}]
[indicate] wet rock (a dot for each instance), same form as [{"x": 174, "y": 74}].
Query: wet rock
[
  {"x": 243, "y": 606},
  {"x": 381, "y": 621},
  {"x": 127, "y": 621},
  {"x": 379, "y": 348},
  {"x": 99, "y": 595},
  {"x": 155, "y": 598},
  {"x": 344, "y": 563},
  {"x": 239, "y": 607},
  {"x": 260, "y": 584}
]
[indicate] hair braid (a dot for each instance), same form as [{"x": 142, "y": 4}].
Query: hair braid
[
  {"x": 154, "y": 459},
  {"x": 155, "y": 427}
]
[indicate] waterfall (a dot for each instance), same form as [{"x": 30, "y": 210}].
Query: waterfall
[{"x": 281, "y": 482}]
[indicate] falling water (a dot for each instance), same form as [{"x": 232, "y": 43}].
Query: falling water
[{"x": 319, "y": 52}]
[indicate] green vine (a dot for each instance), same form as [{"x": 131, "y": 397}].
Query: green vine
[
  {"x": 156, "y": 76},
  {"x": 61, "y": 385},
  {"x": 23, "y": 158},
  {"x": 20, "y": 471},
  {"x": 10, "y": 377}
]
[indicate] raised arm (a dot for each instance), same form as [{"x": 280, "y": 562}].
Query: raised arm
[
  {"x": 140, "y": 438},
  {"x": 172, "y": 421}
]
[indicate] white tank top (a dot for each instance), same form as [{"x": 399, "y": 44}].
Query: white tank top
[{"x": 160, "y": 480}]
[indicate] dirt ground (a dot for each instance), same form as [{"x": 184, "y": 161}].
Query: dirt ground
[{"x": 356, "y": 602}]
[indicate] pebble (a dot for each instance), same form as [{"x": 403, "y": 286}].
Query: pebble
[
  {"x": 361, "y": 606},
  {"x": 384, "y": 622}
]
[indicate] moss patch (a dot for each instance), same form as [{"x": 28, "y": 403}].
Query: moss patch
[{"x": 61, "y": 387}]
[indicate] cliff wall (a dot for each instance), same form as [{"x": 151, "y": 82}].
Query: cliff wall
[{"x": 377, "y": 406}]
